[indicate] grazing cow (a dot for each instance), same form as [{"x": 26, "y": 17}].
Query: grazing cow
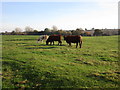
[
  {"x": 74, "y": 39},
  {"x": 42, "y": 37},
  {"x": 53, "y": 38}
]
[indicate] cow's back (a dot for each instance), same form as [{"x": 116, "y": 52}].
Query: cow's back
[
  {"x": 54, "y": 38},
  {"x": 73, "y": 38}
]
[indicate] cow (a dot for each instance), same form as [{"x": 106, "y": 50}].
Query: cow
[
  {"x": 74, "y": 39},
  {"x": 42, "y": 37},
  {"x": 53, "y": 38}
]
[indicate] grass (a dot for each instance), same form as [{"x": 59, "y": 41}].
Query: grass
[{"x": 27, "y": 64}]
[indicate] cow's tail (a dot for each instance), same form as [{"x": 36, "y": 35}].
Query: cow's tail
[{"x": 81, "y": 42}]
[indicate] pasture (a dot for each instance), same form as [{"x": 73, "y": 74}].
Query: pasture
[{"x": 27, "y": 64}]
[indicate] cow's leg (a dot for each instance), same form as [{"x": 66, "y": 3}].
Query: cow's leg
[
  {"x": 80, "y": 44},
  {"x": 76, "y": 45},
  {"x": 50, "y": 43},
  {"x": 53, "y": 42},
  {"x": 60, "y": 43},
  {"x": 47, "y": 42},
  {"x": 69, "y": 44},
  {"x": 38, "y": 40}
]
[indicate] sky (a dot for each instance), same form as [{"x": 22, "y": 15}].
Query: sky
[{"x": 65, "y": 14}]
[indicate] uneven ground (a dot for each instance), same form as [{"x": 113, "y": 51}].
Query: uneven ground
[{"x": 27, "y": 64}]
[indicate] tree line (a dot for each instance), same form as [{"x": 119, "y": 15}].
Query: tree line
[{"x": 54, "y": 30}]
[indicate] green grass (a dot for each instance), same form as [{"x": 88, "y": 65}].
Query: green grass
[{"x": 27, "y": 64}]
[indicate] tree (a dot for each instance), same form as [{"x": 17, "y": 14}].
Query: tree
[
  {"x": 69, "y": 33},
  {"x": 13, "y": 33},
  {"x": 28, "y": 29},
  {"x": 60, "y": 32},
  {"x": 47, "y": 31},
  {"x": 93, "y": 29},
  {"x": 35, "y": 31},
  {"x": 98, "y": 32},
  {"x": 79, "y": 31},
  {"x": 85, "y": 29},
  {"x": 18, "y": 30},
  {"x": 54, "y": 28}
]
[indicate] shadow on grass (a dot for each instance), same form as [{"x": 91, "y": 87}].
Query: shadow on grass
[
  {"x": 20, "y": 43},
  {"x": 35, "y": 45},
  {"x": 106, "y": 77},
  {"x": 20, "y": 39},
  {"x": 40, "y": 47},
  {"x": 35, "y": 78},
  {"x": 11, "y": 59},
  {"x": 25, "y": 71}
]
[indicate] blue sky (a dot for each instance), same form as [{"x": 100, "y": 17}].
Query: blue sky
[
  {"x": 29, "y": 12},
  {"x": 64, "y": 15}
]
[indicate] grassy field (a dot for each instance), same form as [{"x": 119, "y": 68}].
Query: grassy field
[{"x": 27, "y": 64}]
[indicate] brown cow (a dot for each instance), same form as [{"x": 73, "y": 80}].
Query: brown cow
[
  {"x": 74, "y": 39},
  {"x": 53, "y": 38}
]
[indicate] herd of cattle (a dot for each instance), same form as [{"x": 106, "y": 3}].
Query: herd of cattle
[{"x": 69, "y": 39}]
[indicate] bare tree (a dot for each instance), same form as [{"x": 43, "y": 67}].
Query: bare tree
[
  {"x": 28, "y": 29},
  {"x": 54, "y": 28},
  {"x": 17, "y": 30}
]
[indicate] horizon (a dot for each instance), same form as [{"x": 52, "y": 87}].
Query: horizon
[{"x": 64, "y": 15}]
